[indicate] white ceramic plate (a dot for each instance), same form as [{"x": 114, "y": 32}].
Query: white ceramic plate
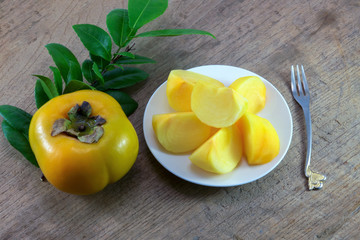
[{"x": 276, "y": 111}]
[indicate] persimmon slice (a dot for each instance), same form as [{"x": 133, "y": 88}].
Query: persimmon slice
[
  {"x": 217, "y": 106},
  {"x": 221, "y": 153},
  {"x": 181, "y": 131},
  {"x": 179, "y": 87},
  {"x": 253, "y": 89},
  {"x": 261, "y": 141}
]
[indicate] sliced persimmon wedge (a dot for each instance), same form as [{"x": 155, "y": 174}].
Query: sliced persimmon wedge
[
  {"x": 217, "y": 106},
  {"x": 180, "y": 132},
  {"x": 253, "y": 89},
  {"x": 260, "y": 139},
  {"x": 179, "y": 87},
  {"x": 221, "y": 153}
]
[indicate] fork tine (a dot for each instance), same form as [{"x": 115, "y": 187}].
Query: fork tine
[
  {"x": 293, "y": 83},
  {"x": 300, "y": 87},
  {"x": 306, "y": 87}
]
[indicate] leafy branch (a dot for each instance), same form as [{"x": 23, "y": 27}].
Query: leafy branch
[{"x": 104, "y": 70}]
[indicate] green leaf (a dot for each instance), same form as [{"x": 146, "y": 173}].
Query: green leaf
[
  {"x": 96, "y": 70},
  {"x": 126, "y": 54},
  {"x": 16, "y": 117},
  {"x": 72, "y": 72},
  {"x": 121, "y": 78},
  {"x": 19, "y": 141},
  {"x": 95, "y": 39},
  {"x": 128, "y": 104},
  {"x": 173, "y": 32},
  {"x": 143, "y": 11},
  {"x": 40, "y": 96},
  {"x": 88, "y": 72},
  {"x": 57, "y": 79},
  {"x": 136, "y": 60},
  {"x": 102, "y": 63},
  {"x": 63, "y": 58},
  {"x": 117, "y": 21},
  {"x": 48, "y": 86},
  {"x": 76, "y": 85},
  {"x": 15, "y": 127}
]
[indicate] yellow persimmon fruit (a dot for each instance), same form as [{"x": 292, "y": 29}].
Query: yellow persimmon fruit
[
  {"x": 179, "y": 86},
  {"x": 83, "y": 141},
  {"x": 253, "y": 89},
  {"x": 181, "y": 131},
  {"x": 260, "y": 139},
  {"x": 221, "y": 153},
  {"x": 217, "y": 106}
]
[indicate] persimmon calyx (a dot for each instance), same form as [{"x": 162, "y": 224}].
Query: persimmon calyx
[{"x": 81, "y": 124}]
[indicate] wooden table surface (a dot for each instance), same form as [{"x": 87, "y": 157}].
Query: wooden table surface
[{"x": 265, "y": 37}]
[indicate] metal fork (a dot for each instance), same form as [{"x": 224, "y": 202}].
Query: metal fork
[{"x": 300, "y": 91}]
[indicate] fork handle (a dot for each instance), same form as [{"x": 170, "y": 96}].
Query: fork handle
[{"x": 309, "y": 139}]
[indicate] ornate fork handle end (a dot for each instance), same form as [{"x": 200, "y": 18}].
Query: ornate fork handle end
[{"x": 315, "y": 180}]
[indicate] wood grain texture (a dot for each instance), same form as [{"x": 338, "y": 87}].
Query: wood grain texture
[{"x": 265, "y": 37}]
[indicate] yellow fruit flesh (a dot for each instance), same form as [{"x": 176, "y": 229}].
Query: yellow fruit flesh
[
  {"x": 221, "y": 153},
  {"x": 217, "y": 106},
  {"x": 260, "y": 139},
  {"x": 179, "y": 86},
  {"x": 180, "y": 132},
  {"x": 253, "y": 89}
]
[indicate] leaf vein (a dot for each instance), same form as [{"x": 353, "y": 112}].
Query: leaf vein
[{"x": 141, "y": 13}]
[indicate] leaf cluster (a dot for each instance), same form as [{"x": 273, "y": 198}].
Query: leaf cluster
[{"x": 105, "y": 69}]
